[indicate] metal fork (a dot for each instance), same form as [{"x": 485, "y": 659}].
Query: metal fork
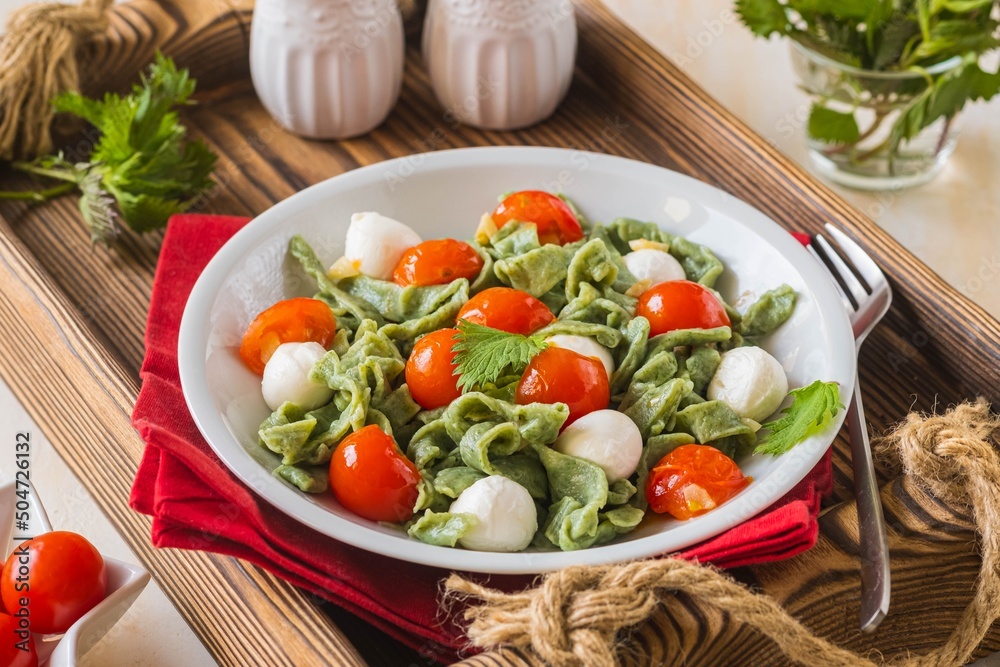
[{"x": 866, "y": 295}]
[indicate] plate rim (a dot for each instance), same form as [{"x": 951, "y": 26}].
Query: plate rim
[{"x": 193, "y": 340}]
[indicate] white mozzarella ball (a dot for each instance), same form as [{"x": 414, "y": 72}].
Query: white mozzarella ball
[
  {"x": 750, "y": 381},
  {"x": 655, "y": 266},
  {"x": 586, "y": 346},
  {"x": 375, "y": 243},
  {"x": 286, "y": 377},
  {"x": 506, "y": 515},
  {"x": 605, "y": 437}
]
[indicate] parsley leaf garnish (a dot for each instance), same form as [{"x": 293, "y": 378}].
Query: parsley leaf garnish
[
  {"x": 142, "y": 162},
  {"x": 484, "y": 353},
  {"x": 811, "y": 408}
]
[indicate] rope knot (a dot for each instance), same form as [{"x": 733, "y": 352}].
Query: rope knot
[
  {"x": 51, "y": 16},
  {"x": 38, "y": 61},
  {"x": 572, "y": 617},
  {"x": 945, "y": 451},
  {"x": 562, "y": 630}
]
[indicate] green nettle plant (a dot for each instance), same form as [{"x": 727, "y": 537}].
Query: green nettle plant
[
  {"x": 898, "y": 67},
  {"x": 142, "y": 169}
]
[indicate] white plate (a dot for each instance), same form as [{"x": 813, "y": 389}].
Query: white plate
[
  {"x": 125, "y": 582},
  {"x": 444, "y": 194}
]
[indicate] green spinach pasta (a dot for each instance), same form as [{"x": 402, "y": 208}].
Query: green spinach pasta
[{"x": 543, "y": 385}]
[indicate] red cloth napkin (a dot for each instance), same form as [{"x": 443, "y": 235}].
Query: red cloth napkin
[{"x": 196, "y": 503}]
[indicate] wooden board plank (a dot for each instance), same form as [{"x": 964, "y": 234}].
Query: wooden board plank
[
  {"x": 82, "y": 397},
  {"x": 80, "y": 310}
]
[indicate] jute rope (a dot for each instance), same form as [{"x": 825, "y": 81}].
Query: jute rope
[
  {"x": 37, "y": 61},
  {"x": 574, "y": 616}
]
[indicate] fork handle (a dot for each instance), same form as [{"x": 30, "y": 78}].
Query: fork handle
[{"x": 871, "y": 524}]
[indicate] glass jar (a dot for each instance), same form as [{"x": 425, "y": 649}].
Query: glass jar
[{"x": 857, "y": 118}]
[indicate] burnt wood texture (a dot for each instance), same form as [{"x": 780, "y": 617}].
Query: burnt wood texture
[{"x": 72, "y": 317}]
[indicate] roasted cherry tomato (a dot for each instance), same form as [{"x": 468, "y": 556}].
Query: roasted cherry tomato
[
  {"x": 507, "y": 309},
  {"x": 553, "y": 217},
  {"x": 298, "y": 320},
  {"x": 372, "y": 478},
  {"x": 430, "y": 370},
  {"x": 17, "y": 646},
  {"x": 61, "y": 575},
  {"x": 437, "y": 262},
  {"x": 692, "y": 480},
  {"x": 681, "y": 304},
  {"x": 558, "y": 375}
]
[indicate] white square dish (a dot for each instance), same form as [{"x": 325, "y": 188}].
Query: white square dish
[{"x": 125, "y": 582}]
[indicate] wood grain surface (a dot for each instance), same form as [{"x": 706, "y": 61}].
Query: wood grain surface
[
  {"x": 211, "y": 38},
  {"x": 72, "y": 319}
]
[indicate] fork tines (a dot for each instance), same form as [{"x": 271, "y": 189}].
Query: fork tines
[{"x": 853, "y": 270}]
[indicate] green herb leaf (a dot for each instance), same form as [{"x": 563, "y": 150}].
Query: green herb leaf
[
  {"x": 949, "y": 38},
  {"x": 763, "y": 17},
  {"x": 97, "y": 208},
  {"x": 857, "y": 9},
  {"x": 884, "y": 35},
  {"x": 945, "y": 98},
  {"x": 888, "y": 43},
  {"x": 832, "y": 127},
  {"x": 141, "y": 161},
  {"x": 484, "y": 353},
  {"x": 810, "y": 410},
  {"x": 146, "y": 212},
  {"x": 960, "y": 6}
]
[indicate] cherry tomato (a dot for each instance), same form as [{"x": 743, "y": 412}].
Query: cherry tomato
[
  {"x": 553, "y": 217},
  {"x": 298, "y": 320},
  {"x": 681, "y": 304},
  {"x": 507, "y": 309},
  {"x": 372, "y": 478},
  {"x": 62, "y": 576},
  {"x": 437, "y": 262},
  {"x": 692, "y": 480},
  {"x": 558, "y": 375},
  {"x": 430, "y": 370},
  {"x": 10, "y": 640}
]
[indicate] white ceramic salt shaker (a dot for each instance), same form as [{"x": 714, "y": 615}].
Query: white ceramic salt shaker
[
  {"x": 500, "y": 64},
  {"x": 327, "y": 69}
]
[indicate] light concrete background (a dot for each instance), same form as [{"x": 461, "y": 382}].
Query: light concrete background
[{"x": 951, "y": 224}]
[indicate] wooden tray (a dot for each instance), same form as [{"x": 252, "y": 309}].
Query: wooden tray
[{"x": 72, "y": 319}]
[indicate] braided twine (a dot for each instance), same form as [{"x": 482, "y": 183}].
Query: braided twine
[{"x": 38, "y": 61}]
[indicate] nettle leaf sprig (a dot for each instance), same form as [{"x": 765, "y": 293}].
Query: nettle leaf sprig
[
  {"x": 484, "y": 354},
  {"x": 889, "y": 36},
  {"x": 142, "y": 169}
]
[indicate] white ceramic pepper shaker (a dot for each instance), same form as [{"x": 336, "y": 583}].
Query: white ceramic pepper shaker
[
  {"x": 327, "y": 69},
  {"x": 500, "y": 64}
]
